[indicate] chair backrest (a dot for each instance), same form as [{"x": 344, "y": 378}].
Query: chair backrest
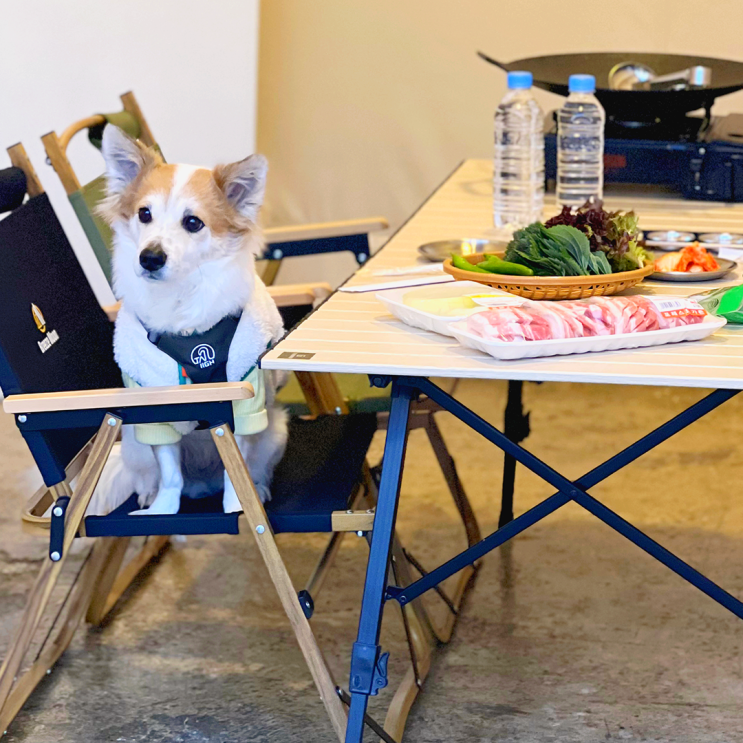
[
  {"x": 54, "y": 336},
  {"x": 85, "y": 198},
  {"x": 351, "y": 236}
]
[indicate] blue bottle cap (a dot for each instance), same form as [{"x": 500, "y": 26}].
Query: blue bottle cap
[
  {"x": 582, "y": 84},
  {"x": 520, "y": 80}
]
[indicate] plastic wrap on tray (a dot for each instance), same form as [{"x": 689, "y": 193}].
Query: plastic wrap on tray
[{"x": 597, "y": 316}]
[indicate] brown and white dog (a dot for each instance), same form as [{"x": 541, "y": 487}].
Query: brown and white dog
[{"x": 185, "y": 243}]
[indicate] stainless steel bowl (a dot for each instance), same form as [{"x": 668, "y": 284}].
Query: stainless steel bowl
[
  {"x": 442, "y": 249},
  {"x": 722, "y": 238},
  {"x": 668, "y": 239},
  {"x": 670, "y": 236}
]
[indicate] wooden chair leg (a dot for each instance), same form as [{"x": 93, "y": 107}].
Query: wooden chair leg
[
  {"x": 49, "y": 573},
  {"x": 443, "y": 631},
  {"x": 419, "y": 636},
  {"x": 67, "y": 624},
  {"x": 151, "y": 549},
  {"x": 261, "y": 529},
  {"x": 270, "y": 271},
  {"x": 323, "y": 565},
  {"x": 446, "y": 463},
  {"x": 105, "y": 581},
  {"x": 325, "y": 562}
]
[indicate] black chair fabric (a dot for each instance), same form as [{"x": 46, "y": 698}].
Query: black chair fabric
[
  {"x": 317, "y": 476},
  {"x": 292, "y": 316},
  {"x": 318, "y": 473},
  {"x": 54, "y": 336},
  {"x": 12, "y": 189}
]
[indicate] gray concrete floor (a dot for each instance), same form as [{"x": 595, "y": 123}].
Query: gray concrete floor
[{"x": 571, "y": 633}]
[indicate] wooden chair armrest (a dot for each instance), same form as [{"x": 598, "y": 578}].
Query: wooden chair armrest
[
  {"x": 324, "y": 229},
  {"x": 78, "y": 126},
  {"x": 127, "y": 398},
  {"x": 295, "y": 295}
]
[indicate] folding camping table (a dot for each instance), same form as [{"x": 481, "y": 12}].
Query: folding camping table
[{"x": 353, "y": 333}]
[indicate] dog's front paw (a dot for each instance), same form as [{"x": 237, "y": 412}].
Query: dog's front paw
[
  {"x": 167, "y": 503},
  {"x": 230, "y": 501},
  {"x": 263, "y": 492}
]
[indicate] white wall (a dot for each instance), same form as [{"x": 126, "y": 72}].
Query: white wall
[
  {"x": 365, "y": 106},
  {"x": 192, "y": 65}
]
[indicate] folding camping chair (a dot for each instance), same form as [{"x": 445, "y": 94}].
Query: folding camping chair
[
  {"x": 47, "y": 315},
  {"x": 353, "y": 235}
]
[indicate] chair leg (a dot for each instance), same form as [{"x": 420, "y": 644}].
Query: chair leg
[
  {"x": 49, "y": 573},
  {"x": 444, "y": 630},
  {"x": 449, "y": 469},
  {"x": 516, "y": 427},
  {"x": 261, "y": 529},
  {"x": 325, "y": 562},
  {"x": 418, "y": 629},
  {"x": 270, "y": 271},
  {"x": 323, "y": 565},
  {"x": 117, "y": 580},
  {"x": 106, "y": 578},
  {"x": 68, "y": 622}
]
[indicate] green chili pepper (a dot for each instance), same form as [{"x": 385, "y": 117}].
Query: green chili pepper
[
  {"x": 458, "y": 262},
  {"x": 493, "y": 264}
]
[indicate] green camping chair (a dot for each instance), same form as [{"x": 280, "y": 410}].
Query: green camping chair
[{"x": 85, "y": 198}]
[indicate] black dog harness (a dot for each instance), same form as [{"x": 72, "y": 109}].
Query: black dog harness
[{"x": 201, "y": 357}]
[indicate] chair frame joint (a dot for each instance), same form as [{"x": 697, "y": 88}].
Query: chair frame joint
[
  {"x": 56, "y": 528},
  {"x": 307, "y": 603}
]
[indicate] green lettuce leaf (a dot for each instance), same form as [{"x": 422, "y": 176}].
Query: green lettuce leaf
[{"x": 561, "y": 250}]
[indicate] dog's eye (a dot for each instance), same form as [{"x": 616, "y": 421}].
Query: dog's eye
[
  {"x": 191, "y": 223},
  {"x": 145, "y": 215}
]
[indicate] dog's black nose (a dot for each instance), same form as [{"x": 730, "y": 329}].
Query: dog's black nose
[{"x": 152, "y": 258}]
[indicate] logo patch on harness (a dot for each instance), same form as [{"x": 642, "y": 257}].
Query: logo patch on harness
[
  {"x": 51, "y": 336},
  {"x": 203, "y": 356}
]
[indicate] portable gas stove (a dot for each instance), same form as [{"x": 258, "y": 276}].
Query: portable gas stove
[{"x": 650, "y": 137}]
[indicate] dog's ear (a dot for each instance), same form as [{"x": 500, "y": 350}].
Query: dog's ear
[
  {"x": 244, "y": 184},
  {"x": 125, "y": 158}
]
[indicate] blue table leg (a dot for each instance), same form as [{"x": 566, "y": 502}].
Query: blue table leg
[{"x": 366, "y": 648}]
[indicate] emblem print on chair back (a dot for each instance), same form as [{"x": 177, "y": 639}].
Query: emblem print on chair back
[
  {"x": 50, "y": 337},
  {"x": 53, "y": 334}
]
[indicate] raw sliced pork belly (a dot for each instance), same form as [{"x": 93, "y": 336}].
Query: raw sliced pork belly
[{"x": 539, "y": 321}]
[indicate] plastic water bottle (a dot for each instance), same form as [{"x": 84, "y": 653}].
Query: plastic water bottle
[
  {"x": 580, "y": 144},
  {"x": 518, "y": 168}
]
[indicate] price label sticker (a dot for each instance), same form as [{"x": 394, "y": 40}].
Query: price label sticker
[{"x": 678, "y": 307}]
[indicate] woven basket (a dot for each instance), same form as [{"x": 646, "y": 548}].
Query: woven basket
[{"x": 550, "y": 287}]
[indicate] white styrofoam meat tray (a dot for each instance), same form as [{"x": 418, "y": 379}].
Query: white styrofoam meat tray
[
  {"x": 393, "y": 301},
  {"x": 507, "y": 350}
]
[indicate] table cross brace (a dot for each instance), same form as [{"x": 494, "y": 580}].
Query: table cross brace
[{"x": 567, "y": 491}]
